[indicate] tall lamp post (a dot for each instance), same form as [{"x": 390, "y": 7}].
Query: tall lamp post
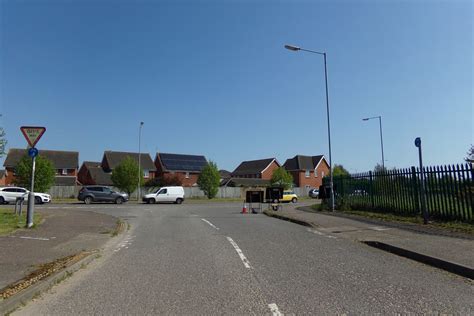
[
  {"x": 139, "y": 160},
  {"x": 295, "y": 49},
  {"x": 381, "y": 137}
]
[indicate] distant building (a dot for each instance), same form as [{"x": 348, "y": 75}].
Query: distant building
[
  {"x": 3, "y": 177},
  {"x": 186, "y": 167},
  {"x": 91, "y": 173},
  {"x": 258, "y": 169},
  {"x": 65, "y": 164},
  {"x": 112, "y": 159},
  {"x": 307, "y": 171}
]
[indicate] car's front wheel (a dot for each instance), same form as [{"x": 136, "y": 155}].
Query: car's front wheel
[
  {"x": 88, "y": 200},
  {"x": 2, "y": 200},
  {"x": 119, "y": 200},
  {"x": 294, "y": 200},
  {"x": 38, "y": 200}
]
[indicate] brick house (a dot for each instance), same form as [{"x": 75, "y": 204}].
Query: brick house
[
  {"x": 65, "y": 164},
  {"x": 186, "y": 167},
  {"x": 112, "y": 159},
  {"x": 258, "y": 169},
  {"x": 91, "y": 173},
  {"x": 3, "y": 176},
  {"x": 307, "y": 171}
]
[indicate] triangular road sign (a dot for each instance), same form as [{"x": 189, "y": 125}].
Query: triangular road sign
[{"x": 32, "y": 134}]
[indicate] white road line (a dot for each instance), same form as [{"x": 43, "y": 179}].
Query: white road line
[
  {"x": 34, "y": 238},
  {"x": 378, "y": 228},
  {"x": 314, "y": 231},
  {"x": 240, "y": 253},
  {"x": 274, "y": 309},
  {"x": 211, "y": 224}
]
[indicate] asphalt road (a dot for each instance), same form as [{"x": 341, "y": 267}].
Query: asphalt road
[{"x": 209, "y": 259}]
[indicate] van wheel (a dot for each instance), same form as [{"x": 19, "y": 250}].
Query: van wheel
[
  {"x": 88, "y": 200},
  {"x": 152, "y": 201},
  {"x": 294, "y": 200},
  {"x": 179, "y": 201},
  {"x": 119, "y": 200}
]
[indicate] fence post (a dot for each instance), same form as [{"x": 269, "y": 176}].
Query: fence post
[
  {"x": 415, "y": 189},
  {"x": 371, "y": 189}
]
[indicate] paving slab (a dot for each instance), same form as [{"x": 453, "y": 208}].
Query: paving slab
[{"x": 62, "y": 233}]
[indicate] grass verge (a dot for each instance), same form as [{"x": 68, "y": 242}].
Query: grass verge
[
  {"x": 9, "y": 221},
  {"x": 454, "y": 226}
]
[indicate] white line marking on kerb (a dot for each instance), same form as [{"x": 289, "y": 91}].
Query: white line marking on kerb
[
  {"x": 274, "y": 309},
  {"x": 240, "y": 253},
  {"x": 211, "y": 224}
]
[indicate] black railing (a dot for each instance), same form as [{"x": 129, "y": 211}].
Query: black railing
[{"x": 449, "y": 191}]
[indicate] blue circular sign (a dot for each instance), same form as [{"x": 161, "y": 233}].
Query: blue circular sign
[
  {"x": 32, "y": 152},
  {"x": 418, "y": 142}
]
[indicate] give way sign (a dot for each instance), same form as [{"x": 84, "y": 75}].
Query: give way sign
[{"x": 32, "y": 134}]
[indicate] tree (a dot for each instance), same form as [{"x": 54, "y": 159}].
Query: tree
[
  {"x": 44, "y": 173},
  {"x": 470, "y": 155},
  {"x": 3, "y": 142},
  {"x": 124, "y": 176},
  {"x": 339, "y": 170},
  {"x": 380, "y": 169},
  {"x": 282, "y": 178},
  {"x": 209, "y": 180}
]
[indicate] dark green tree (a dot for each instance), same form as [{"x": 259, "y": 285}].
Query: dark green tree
[
  {"x": 470, "y": 155},
  {"x": 3, "y": 142},
  {"x": 124, "y": 176},
  {"x": 209, "y": 180},
  {"x": 339, "y": 170},
  {"x": 282, "y": 178},
  {"x": 44, "y": 173}
]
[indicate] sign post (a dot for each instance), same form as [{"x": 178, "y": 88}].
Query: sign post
[
  {"x": 422, "y": 176},
  {"x": 32, "y": 135}
]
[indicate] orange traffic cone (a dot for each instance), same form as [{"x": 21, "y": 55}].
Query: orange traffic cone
[{"x": 244, "y": 208}]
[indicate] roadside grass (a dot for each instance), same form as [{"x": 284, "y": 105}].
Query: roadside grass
[
  {"x": 454, "y": 226},
  {"x": 64, "y": 200},
  {"x": 9, "y": 222}
]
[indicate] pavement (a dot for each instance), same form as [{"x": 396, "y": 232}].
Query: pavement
[
  {"x": 453, "y": 247},
  {"x": 210, "y": 259},
  {"x": 62, "y": 233}
]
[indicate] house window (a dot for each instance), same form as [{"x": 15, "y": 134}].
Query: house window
[
  {"x": 64, "y": 172},
  {"x": 146, "y": 173},
  {"x": 187, "y": 175},
  {"x": 322, "y": 174},
  {"x": 306, "y": 174}
]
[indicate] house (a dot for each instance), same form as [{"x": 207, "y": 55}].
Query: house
[
  {"x": 91, "y": 173},
  {"x": 307, "y": 171},
  {"x": 186, "y": 167},
  {"x": 112, "y": 159},
  {"x": 3, "y": 176},
  {"x": 259, "y": 169},
  {"x": 65, "y": 164}
]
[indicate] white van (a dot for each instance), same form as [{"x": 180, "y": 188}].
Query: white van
[{"x": 165, "y": 195}]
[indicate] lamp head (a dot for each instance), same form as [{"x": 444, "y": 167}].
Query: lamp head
[{"x": 293, "y": 48}]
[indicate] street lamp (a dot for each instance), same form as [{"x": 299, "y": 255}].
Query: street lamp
[
  {"x": 295, "y": 49},
  {"x": 139, "y": 160},
  {"x": 381, "y": 137}
]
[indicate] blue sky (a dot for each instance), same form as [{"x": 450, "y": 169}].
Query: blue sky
[{"x": 213, "y": 78}]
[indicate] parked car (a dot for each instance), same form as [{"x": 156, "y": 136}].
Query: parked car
[
  {"x": 10, "y": 194},
  {"x": 166, "y": 195},
  {"x": 313, "y": 193},
  {"x": 97, "y": 193},
  {"x": 289, "y": 196}
]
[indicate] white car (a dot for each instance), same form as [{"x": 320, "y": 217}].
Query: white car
[
  {"x": 10, "y": 194},
  {"x": 165, "y": 194}
]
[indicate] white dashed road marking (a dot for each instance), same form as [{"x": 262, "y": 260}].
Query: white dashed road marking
[
  {"x": 378, "y": 228},
  {"x": 34, "y": 238},
  {"x": 274, "y": 309},
  {"x": 240, "y": 253},
  {"x": 210, "y": 224}
]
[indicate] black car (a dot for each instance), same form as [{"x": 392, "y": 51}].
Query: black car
[{"x": 96, "y": 193}]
